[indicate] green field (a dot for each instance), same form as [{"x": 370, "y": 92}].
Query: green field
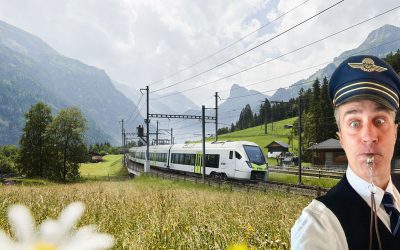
[
  {"x": 111, "y": 166},
  {"x": 257, "y": 135},
  {"x": 306, "y": 180},
  {"x": 149, "y": 213},
  {"x": 152, "y": 213}
]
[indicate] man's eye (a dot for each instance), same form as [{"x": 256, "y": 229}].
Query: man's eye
[
  {"x": 379, "y": 121},
  {"x": 354, "y": 124}
]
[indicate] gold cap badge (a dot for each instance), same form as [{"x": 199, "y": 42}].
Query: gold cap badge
[{"x": 367, "y": 65}]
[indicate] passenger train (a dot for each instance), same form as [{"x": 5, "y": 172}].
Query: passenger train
[{"x": 224, "y": 159}]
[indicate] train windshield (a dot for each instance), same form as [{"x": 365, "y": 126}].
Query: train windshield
[{"x": 255, "y": 154}]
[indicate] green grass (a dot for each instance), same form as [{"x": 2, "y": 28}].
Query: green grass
[
  {"x": 111, "y": 166},
  {"x": 149, "y": 213},
  {"x": 257, "y": 135},
  {"x": 307, "y": 180}
]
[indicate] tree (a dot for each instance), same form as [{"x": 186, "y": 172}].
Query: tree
[
  {"x": 66, "y": 144},
  {"x": 232, "y": 129},
  {"x": 223, "y": 130},
  {"x": 327, "y": 128},
  {"x": 8, "y": 157},
  {"x": 33, "y": 157},
  {"x": 246, "y": 118}
]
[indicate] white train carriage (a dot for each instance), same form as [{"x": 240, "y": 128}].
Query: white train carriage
[{"x": 237, "y": 160}]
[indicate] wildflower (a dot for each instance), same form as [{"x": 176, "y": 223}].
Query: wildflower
[
  {"x": 240, "y": 246},
  {"x": 53, "y": 234}
]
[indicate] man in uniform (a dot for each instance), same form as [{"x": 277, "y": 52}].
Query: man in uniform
[{"x": 362, "y": 210}]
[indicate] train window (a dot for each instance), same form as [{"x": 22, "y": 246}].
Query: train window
[
  {"x": 254, "y": 154},
  {"x": 192, "y": 159},
  {"x": 173, "y": 158},
  {"x": 186, "y": 159},
  {"x": 230, "y": 154},
  {"x": 212, "y": 161},
  {"x": 180, "y": 158},
  {"x": 238, "y": 156}
]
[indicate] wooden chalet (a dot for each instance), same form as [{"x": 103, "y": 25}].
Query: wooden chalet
[{"x": 328, "y": 154}]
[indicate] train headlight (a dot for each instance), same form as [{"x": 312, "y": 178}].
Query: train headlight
[{"x": 249, "y": 164}]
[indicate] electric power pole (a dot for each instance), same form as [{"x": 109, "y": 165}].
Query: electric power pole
[
  {"x": 157, "y": 134},
  {"x": 147, "y": 166},
  {"x": 122, "y": 132},
  {"x": 265, "y": 116},
  {"x": 203, "y": 129},
  {"x": 216, "y": 116},
  {"x": 124, "y": 144},
  {"x": 272, "y": 120},
  {"x": 299, "y": 153},
  {"x": 172, "y": 137},
  {"x": 122, "y": 139},
  {"x": 147, "y": 121}
]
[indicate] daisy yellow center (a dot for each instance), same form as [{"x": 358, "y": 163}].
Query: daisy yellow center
[{"x": 44, "y": 246}]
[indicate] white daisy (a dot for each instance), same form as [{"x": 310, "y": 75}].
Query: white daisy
[{"x": 53, "y": 234}]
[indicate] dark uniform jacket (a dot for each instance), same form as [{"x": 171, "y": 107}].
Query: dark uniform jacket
[{"x": 354, "y": 215}]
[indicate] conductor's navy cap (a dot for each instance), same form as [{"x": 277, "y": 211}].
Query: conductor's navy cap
[{"x": 365, "y": 77}]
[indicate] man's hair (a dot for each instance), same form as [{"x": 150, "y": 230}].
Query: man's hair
[{"x": 337, "y": 118}]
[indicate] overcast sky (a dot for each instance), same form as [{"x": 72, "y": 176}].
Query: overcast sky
[{"x": 138, "y": 42}]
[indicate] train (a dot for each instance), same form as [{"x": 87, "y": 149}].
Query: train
[{"x": 242, "y": 160}]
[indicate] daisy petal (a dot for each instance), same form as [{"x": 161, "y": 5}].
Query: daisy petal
[
  {"x": 93, "y": 242},
  {"x": 70, "y": 216},
  {"x": 49, "y": 232},
  {"x": 21, "y": 222},
  {"x": 5, "y": 242},
  {"x": 86, "y": 238}
]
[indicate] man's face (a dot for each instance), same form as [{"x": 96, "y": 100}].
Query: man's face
[{"x": 367, "y": 128}]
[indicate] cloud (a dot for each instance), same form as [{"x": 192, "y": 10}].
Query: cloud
[{"x": 138, "y": 42}]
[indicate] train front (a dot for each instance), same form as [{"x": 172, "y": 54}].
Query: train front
[{"x": 256, "y": 162}]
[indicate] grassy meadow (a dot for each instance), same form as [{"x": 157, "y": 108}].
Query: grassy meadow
[
  {"x": 110, "y": 166},
  {"x": 256, "y": 135},
  {"x": 150, "y": 213}
]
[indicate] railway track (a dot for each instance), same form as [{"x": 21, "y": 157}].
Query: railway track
[
  {"x": 320, "y": 173},
  {"x": 247, "y": 186}
]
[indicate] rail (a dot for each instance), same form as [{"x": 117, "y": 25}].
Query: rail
[
  {"x": 247, "y": 186},
  {"x": 320, "y": 173}
]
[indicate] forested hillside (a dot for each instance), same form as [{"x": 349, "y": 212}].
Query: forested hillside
[{"x": 31, "y": 71}]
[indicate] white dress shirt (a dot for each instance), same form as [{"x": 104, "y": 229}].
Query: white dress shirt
[{"x": 318, "y": 227}]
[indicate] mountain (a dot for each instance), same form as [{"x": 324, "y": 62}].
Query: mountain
[
  {"x": 32, "y": 71},
  {"x": 379, "y": 42},
  {"x": 172, "y": 103},
  {"x": 239, "y": 97}
]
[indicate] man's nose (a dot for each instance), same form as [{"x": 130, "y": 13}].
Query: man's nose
[{"x": 370, "y": 134}]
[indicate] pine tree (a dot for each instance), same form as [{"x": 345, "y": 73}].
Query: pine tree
[
  {"x": 327, "y": 127},
  {"x": 246, "y": 118},
  {"x": 33, "y": 156}
]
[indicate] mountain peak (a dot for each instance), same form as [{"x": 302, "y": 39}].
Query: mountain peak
[
  {"x": 379, "y": 42},
  {"x": 385, "y": 32},
  {"x": 237, "y": 90}
]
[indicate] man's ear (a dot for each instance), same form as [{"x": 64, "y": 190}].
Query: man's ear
[{"x": 340, "y": 137}]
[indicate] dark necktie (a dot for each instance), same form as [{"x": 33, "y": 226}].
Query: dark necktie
[{"x": 393, "y": 213}]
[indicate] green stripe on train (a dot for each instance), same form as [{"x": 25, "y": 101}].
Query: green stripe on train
[
  {"x": 198, "y": 163},
  {"x": 262, "y": 167}
]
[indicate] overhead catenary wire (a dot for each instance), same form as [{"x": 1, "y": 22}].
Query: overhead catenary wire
[
  {"x": 248, "y": 50},
  {"x": 306, "y": 82},
  {"x": 135, "y": 119},
  {"x": 285, "y": 54},
  {"x": 228, "y": 46},
  {"x": 135, "y": 114},
  {"x": 223, "y": 116},
  {"x": 311, "y": 67}
]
